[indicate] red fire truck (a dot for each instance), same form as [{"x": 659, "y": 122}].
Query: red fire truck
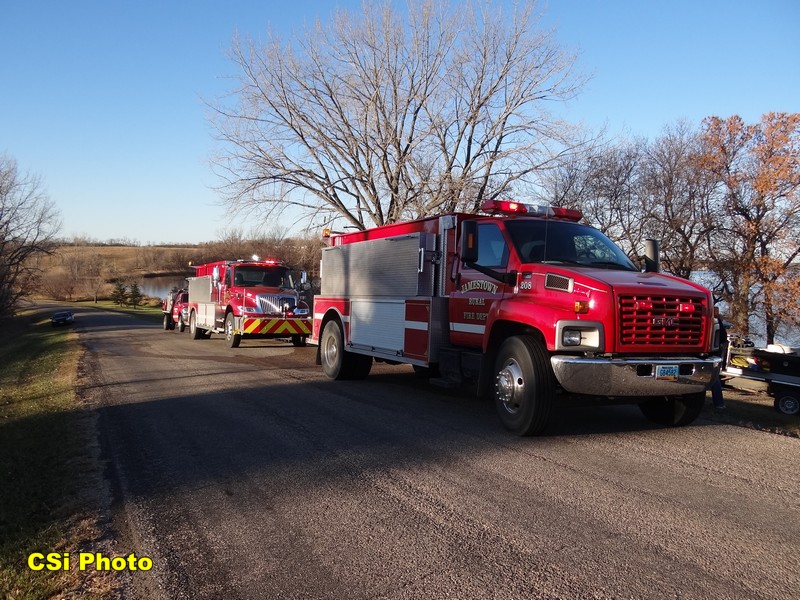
[
  {"x": 524, "y": 301},
  {"x": 246, "y": 299},
  {"x": 175, "y": 308}
]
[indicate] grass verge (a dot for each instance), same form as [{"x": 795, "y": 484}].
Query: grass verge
[
  {"x": 48, "y": 496},
  {"x": 145, "y": 312}
]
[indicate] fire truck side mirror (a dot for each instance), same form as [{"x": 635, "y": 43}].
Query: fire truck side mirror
[
  {"x": 215, "y": 275},
  {"x": 469, "y": 241}
]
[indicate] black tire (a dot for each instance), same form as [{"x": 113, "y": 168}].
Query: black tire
[
  {"x": 337, "y": 363},
  {"x": 233, "y": 339},
  {"x": 167, "y": 322},
  {"x": 787, "y": 401},
  {"x": 331, "y": 351},
  {"x": 524, "y": 386},
  {"x": 673, "y": 411},
  {"x": 362, "y": 365},
  {"x": 194, "y": 330},
  {"x": 298, "y": 341},
  {"x": 181, "y": 326}
]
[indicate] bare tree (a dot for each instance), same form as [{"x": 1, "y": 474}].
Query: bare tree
[
  {"x": 29, "y": 224},
  {"x": 233, "y": 244},
  {"x": 678, "y": 199},
  {"x": 604, "y": 183},
  {"x": 57, "y": 285},
  {"x": 387, "y": 115},
  {"x": 634, "y": 190}
]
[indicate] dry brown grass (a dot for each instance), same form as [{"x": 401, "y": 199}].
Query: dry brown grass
[{"x": 52, "y": 496}]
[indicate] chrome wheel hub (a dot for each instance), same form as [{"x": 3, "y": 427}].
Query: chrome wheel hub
[
  {"x": 510, "y": 386},
  {"x": 331, "y": 350}
]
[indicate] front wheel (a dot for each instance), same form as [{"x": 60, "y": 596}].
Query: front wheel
[
  {"x": 673, "y": 411},
  {"x": 523, "y": 385},
  {"x": 181, "y": 326},
  {"x": 167, "y": 322},
  {"x": 233, "y": 339}
]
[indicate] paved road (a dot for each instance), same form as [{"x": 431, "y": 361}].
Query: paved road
[{"x": 246, "y": 474}]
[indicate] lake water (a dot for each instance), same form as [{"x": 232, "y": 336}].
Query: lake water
[
  {"x": 789, "y": 336},
  {"x": 159, "y": 287}
]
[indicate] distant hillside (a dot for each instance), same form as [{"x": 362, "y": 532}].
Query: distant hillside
[
  {"x": 124, "y": 260},
  {"x": 78, "y": 272},
  {"x": 84, "y": 271}
]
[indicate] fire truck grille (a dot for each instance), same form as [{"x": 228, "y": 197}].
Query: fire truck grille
[
  {"x": 275, "y": 304},
  {"x": 661, "y": 321}
]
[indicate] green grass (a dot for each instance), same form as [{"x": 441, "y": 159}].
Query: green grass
[
  {"x": 46, "y": 467},
  {"x": 142, "y": 311}
]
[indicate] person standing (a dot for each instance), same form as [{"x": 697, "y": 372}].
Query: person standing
[{"x": 716, "y": 385}]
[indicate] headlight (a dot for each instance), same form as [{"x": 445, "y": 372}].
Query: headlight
[
  {"x": 571, "y": 337},
  {"x": 250, "y": 309},
  {"x": 579, "y": 335}
]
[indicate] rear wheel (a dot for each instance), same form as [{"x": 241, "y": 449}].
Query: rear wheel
[
  {"x": 181, "y": 326},
  {"x": 362, "y": 365},
  {"x": 331, "y": 350},
  {"x": 673, "y": 411},
  {"x": 337, "y": 363},
  {"x": 233, "y": 339},
  {"x": 194, "y": 330},
  {"x": 167, "y": 322},
  {"x": 787, "y": 401},
  {"x": 523, "y": 386},
  {"x": 298, "y": 340}
]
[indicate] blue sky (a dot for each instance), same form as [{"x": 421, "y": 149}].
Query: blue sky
[{"x": 105, "y": 100}]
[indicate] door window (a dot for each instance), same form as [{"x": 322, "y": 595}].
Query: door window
[{"x": 492, "y": 247}]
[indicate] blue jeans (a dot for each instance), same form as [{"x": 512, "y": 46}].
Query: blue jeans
[{"x": 716, "y": 393}]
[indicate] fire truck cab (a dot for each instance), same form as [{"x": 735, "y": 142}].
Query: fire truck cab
[
  {"x": 246, "y": 299},
  {"x": 526, "y": 302}
]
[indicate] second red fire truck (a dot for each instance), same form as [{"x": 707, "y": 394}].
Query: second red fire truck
[
  {"x": 246, "y": 299},
  {"x": 525, "y": 301}
]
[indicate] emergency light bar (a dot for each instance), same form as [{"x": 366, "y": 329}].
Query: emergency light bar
[{"x": 510, "y": 207}]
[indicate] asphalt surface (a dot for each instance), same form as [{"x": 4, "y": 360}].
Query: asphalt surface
[{"x": 245, "y": 473}]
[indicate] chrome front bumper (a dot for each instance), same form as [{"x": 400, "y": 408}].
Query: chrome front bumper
[{"x": 634, "y": 377}]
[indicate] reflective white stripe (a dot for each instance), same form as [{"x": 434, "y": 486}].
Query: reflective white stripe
[
  {"x": 319, "y": 316},
  {"x": 465, "y": 328},
  {"x": 419, "y": 325}
]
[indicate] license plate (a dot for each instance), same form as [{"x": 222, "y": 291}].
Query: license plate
[{"x": 669, "y": 372}]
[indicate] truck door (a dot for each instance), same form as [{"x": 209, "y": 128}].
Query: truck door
[{"x": 474, "y": 293}]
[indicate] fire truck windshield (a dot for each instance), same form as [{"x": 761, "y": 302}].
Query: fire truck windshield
[
  {"x": 267, "y": 276},
  {"x": 540, "y": 241}
]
